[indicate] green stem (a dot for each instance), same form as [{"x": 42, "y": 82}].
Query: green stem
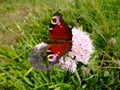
[
  {"x": 77, "y": 75},
  {"x": 28, "y": 71}
]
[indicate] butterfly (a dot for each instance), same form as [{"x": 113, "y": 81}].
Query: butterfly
[{"x": 59, "y": 40}]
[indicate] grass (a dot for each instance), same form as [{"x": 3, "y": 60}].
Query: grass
[{"x": 23, "y": 24}]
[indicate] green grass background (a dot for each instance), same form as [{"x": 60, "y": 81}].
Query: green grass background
[{"x": 24, "y": 23}]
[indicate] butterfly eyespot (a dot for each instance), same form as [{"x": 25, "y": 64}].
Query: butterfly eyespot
[
  {"x": 52, "y": 57},
  {"x": 55, "y": 20}
]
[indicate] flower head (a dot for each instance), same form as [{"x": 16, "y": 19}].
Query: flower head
[
  {"x": 112, "y": 41},
  {"x": 68, "y": 64},
  {"x": 37, "y": 55},
  {"x": 85, "y": 70},
  {"x": 82, "y": 46}
]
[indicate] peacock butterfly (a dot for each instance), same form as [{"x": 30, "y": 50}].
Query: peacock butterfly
[{"x": 60, "y": 38}]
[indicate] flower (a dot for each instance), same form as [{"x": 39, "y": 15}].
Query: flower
[
  {"x": 82, "y": 46},
  {"x": 37, "y": 55},
  {"x": 85, "y": 70},
  {"x": 68, "y": 64},
  {"x": 112, "y": 41}
]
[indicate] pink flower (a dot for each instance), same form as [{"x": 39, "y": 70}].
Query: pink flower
[
  {"x": 82, "y": 46},
  {"x": 68, "y": 64}
]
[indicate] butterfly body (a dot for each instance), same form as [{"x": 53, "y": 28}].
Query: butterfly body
[{"x": 60, "y": 38}]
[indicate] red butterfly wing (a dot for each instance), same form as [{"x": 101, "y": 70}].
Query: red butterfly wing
[
  {"x": 60, "y": 37},
  {"x": 58, "y": 29},
  {"x": 56, "y": 50}
]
